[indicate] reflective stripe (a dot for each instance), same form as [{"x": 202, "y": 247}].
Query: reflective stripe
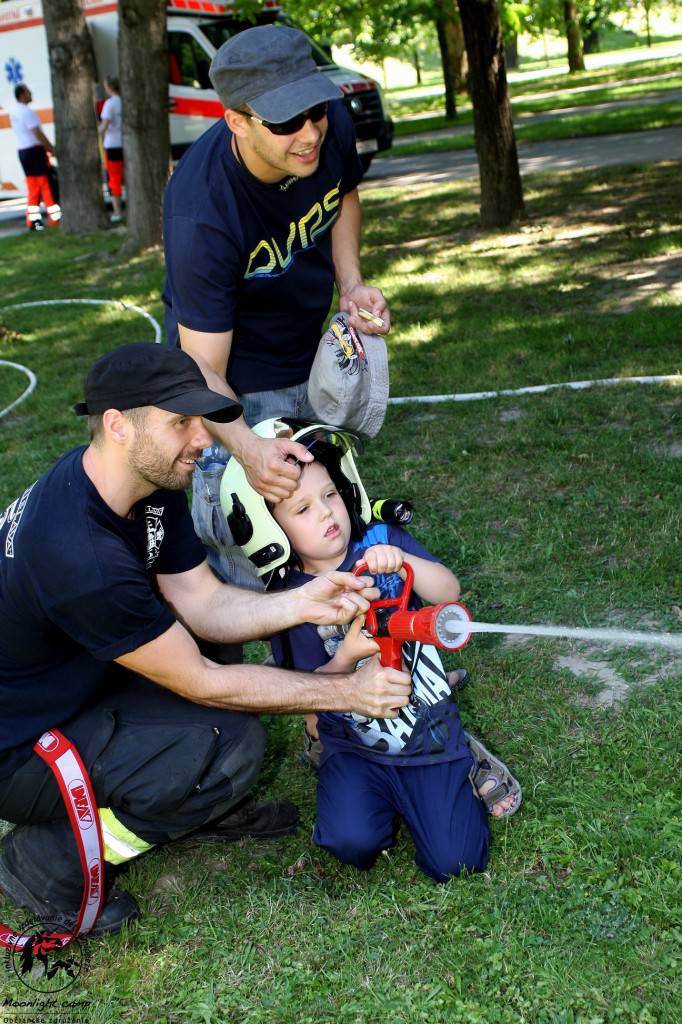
[
  {"x": 54, "y": 211},
  {"x": 120, "y": 844}
]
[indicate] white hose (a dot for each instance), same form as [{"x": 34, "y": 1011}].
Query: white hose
[
  {"x": 536, "y": 389},
  {"x": 33, "y": 380}
]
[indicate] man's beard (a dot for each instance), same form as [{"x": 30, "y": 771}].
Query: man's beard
[{"x": 148, "y": 460}]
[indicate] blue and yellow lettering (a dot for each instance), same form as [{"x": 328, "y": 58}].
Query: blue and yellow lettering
[
  {"x": 264, "y": 268},
  {"x": 284, "y": 263},
  {"x": 314, "y": 212}
]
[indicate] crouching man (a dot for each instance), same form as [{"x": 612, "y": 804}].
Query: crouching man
[{"x": 103, "y": 587}]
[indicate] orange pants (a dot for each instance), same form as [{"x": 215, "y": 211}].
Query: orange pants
[
  {"x": 115, "y": 172},
  {"x": 38, "y": 187}
]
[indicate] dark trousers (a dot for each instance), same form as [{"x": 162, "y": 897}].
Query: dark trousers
[
  {"x": 163, "y": 765},
  {"x": 358, "y": 800}
]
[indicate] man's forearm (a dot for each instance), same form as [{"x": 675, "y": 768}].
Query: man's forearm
[
  {"x": 270, "y": 690},
  {"x": 173, "y": 660},
  {"x": 346, "y": 244},
  {"x": 235, "y": 615}
]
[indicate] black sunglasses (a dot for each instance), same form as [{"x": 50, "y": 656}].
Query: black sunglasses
[{"x": 294, "y": 124}]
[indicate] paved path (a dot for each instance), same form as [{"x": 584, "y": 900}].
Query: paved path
[
  {"x": 534, "y": 157},
  {"x": 648, "y": 99}
]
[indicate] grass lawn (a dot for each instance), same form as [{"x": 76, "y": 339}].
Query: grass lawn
[
  {"x": 556, "y": 508},
  {"x": 548, "y": 102},
  {"x": 612, "y": 80}
]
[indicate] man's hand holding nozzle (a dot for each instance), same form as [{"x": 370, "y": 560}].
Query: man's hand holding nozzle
[{"x": 381, "y": 691}]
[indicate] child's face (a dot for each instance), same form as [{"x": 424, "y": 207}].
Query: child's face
[{"x": 315, "y": 520}]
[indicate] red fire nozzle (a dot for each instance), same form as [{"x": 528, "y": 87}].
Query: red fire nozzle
[{"x": 391, "y": 622}]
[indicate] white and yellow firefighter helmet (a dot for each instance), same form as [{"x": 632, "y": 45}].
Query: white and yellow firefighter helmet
[{"x": 250, "y": 520}]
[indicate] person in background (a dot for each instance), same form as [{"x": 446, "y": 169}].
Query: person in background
[
  {"x": 110, "y": 130},
  {"x": 35, "y": 150}
]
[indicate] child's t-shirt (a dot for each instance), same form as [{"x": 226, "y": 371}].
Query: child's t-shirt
[{"x": 428, "y": 729}]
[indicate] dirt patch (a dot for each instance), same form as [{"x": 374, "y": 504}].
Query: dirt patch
[
  {"x": 590, "y": 662},
  {"x": 509, "y": 415},
  {"x": 638, "y": 281}
]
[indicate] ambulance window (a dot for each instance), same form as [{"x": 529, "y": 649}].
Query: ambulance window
[{"x": 188, "y": 62}]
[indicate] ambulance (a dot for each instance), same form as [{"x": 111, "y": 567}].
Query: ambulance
[{"x": 196, "y": 29}]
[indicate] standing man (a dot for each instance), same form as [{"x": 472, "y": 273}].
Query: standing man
[
  {"x": 261, "y": 217},
  {"x": 34, "y": 151},
  {"x": 103, "y": 587}
]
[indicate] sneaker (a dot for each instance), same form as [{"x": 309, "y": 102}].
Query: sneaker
[
  {"x": 119, "y": 909},
  {"x": 268, "y": 820},
  {"x": 115, "y": 218},
  {"x": 37, "y": 226}
]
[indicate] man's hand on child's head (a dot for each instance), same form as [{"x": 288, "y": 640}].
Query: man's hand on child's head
[
  {"x": 334, "y": 597},
  {"x": 382, "y": 558},
  {"x": 273, "y": 466}
]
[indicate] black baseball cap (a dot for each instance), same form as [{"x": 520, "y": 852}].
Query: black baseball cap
[{"x": 145, "y": 373}]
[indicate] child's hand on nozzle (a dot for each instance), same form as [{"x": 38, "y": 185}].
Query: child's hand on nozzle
[
  {"x": 382, "y": 558},
  {"x": 356, "y": 645}
]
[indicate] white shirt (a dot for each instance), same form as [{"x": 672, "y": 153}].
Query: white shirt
[
  {"x": 23, "y": 121},
  {"x": 111, "y": 112}
]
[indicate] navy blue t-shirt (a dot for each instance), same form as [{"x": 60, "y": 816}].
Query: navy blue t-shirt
[
  {"x": 256, "y": 258},
  {"x": 77, "y": 591},
  {"x": 428, "y": 730}
]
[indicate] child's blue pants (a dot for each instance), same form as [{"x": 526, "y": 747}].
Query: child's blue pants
[{"x": 357, "y": 800}]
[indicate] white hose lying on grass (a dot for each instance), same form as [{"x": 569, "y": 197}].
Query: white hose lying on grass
[
  {"x": 467, "y": 396},
  {"x": 33, "y": 380},
  {"x": 536, "y": 389}
]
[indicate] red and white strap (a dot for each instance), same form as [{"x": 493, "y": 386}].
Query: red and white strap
[{"x": 76, "y": 789}]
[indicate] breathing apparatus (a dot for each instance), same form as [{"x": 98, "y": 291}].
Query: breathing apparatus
[{"x": 251, "y": 522}]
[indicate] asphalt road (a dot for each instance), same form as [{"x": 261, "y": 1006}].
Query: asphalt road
[{"x": 534, "y": 158}]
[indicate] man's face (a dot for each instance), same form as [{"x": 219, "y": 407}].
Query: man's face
[
  {"x": 273, "y": 157},
  {"x": 164, "y": 447},
  {"x": 315, "y": 520}
]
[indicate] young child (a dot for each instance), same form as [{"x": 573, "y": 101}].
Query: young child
[{"x": 418, "y": 765}]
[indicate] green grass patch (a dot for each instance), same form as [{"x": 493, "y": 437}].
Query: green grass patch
[
  {"x": 556, "y": 101},
  {"x": 556, "y": 508},
  {"x": 610, "y": 77}
]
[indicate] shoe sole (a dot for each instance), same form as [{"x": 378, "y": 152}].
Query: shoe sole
[
  {"x": 199, "y": 837},
  {"x": 481, "y": 752}
]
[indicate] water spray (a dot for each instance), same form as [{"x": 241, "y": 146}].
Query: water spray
[{"x": 449, "y": 626}]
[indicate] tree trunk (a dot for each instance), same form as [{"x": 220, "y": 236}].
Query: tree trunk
[
  {"x": 511, "y": 52},
  {"x": 446, "y": 41},
  {"x": 143, "y": 62},
  {"x": 72, "y": 71},
  {"x": 574, "y": 37},
  {"x": 460, "y": 59},
  {"x": 501, "y": 189},
  {"x": 417, "y": 64}
]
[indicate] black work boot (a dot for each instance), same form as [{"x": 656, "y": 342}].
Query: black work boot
[
  {"x": 268, "y": 820},
  {"x": 119, "y": 908}
]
